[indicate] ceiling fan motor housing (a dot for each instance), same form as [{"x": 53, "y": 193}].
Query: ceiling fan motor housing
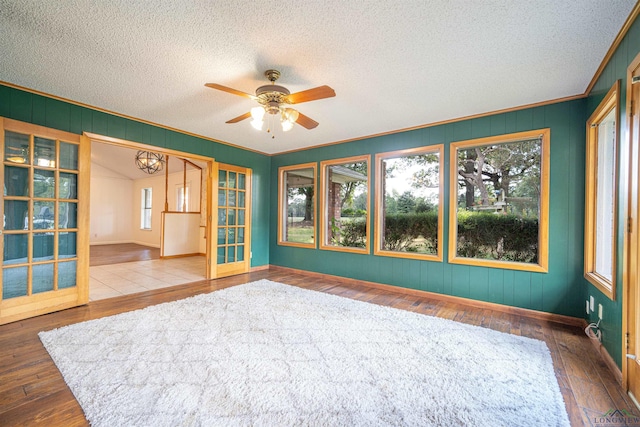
[{"x": 271, "y": 97}]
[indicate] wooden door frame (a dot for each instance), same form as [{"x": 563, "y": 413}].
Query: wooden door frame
[
  {"x": 170, "y": 152},
  {"x": 212, "y": 244},
  {"x": 631, "y": 245}
]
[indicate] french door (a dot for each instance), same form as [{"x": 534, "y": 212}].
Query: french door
[
  {"x": 45, "y": 220},
  {"x": 631, "y": 302},
  {"x": 231, "y": 220}
]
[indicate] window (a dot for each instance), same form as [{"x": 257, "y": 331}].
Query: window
[
  {"x": 182, "y": 197},
  {"x": 601, "y": 198},
  {"x": 409, "y": 203},
  {"x": 297, "y": 202},
  {"x": 145, "y": 214},
  {"x": 499, "y": 202},
  {"x": 345, "y": 204}
]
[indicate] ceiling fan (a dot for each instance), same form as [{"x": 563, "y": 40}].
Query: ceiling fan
[{"x": 274, "y": 100}]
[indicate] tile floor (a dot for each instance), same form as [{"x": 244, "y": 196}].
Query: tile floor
[{"x": 108, "y": 281}]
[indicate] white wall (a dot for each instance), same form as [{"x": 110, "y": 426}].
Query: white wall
[
  {"x": 116, "y": 205},
  {"x": 110, "y": 207},
  {"x": 157, "y": 183}
]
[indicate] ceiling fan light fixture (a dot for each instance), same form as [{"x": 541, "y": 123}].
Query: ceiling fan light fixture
[
  {"x": 290, "y": 115},
  {"x": 288, "y": 118},
  {"x": 286, "y": 126},
  {"x": 257, "y": 113}
]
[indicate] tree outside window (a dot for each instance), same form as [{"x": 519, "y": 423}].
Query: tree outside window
[
  {"x": 297, "y": 188},
  {"x": 499, "y": 201},
  {"x": 409, "y": 203}
]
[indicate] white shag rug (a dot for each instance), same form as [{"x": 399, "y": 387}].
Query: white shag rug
[{"x": 268, "y": 354}]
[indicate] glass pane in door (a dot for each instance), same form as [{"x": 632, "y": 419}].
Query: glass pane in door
[
  {"x": 16, "y": 214},
  {"x": 17, "y": 148},
  {"x": 40, "y": 204},
  {"x": 16, "y": 181},
  {"x": 45, "y": 152},
  {"x": 14, "y": 282},
  {"x": 68, "y": 156},
  {"x": 67, "y": 245},
  {"x": 67, "y": 274},
  {"x": 42, "y": 278},
  {"x": 42, "y": 247},
  {"x": 44, "y": 183},
  {"x": 16, "y": 247}
]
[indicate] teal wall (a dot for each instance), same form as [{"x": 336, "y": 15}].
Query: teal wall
[
  {"x": 561, "y": 290},
  {"x": 616, "y": 68},
  {"x": 40, "y": 110}
]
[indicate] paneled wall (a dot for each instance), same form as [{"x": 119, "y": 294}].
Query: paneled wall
[
  {"x": 41, "y": 110},
  {"x": 559, "y": 291},
  {"x": 611, "y": 324}
]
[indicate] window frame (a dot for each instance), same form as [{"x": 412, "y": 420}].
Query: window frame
[
  {"x": 611, "y": 101},
  {"x": 542, "y": 265},
  {"x": 144, "y": 208},
  {"x": 282, "y": 204},
  {"x": 324, "y": 197},
  {"x": 379, "y": 202}
]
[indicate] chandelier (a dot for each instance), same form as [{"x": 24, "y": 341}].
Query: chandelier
[{"x": 149, "y": 162}]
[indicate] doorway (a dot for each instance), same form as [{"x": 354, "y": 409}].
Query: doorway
[{"x": 187, "y": 194}]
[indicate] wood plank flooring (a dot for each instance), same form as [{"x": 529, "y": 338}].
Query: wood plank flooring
[
  {"x": 32, "y": 391},
  {"x": 121, "y": 252}
]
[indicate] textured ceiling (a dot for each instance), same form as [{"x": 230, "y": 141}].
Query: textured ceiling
[{"x": 393, "y": 64}]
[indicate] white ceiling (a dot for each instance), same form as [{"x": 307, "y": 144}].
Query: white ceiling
[
  {"x": 393, "y": 64},
  {"x": 122, "y": 161}
]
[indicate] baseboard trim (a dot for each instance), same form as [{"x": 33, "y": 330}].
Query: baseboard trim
[
  {"x": 123, "y": 242},
  {"x": 182, "y": 255},
  {"x": 260, "y": 268},
  {"x": 525, "y": 312},
  {"x": 608, "y": 360}
]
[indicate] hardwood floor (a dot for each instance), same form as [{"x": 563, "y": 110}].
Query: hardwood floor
[
  {"x": 33, "y": 392},
  {"x": 124, "y": 252}
]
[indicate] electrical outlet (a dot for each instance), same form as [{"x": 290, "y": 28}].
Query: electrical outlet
[
  {"x": 599, "y": 311},
  {"x": 591, "y": 303},
  {"x": 587, "y": 306}
]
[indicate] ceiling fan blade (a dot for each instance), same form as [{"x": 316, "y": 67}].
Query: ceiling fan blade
[
  {"x": 306, "y": 122},
  {"x": 319, "y": 92},
  {"x": 239, "y": 118},
  {"x": 230, "y": 90}
]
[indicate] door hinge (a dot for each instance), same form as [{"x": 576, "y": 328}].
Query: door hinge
[
  {"x": 626, "y": 340},
  {"x": 635, "y": 79},
  {"x": 209, "y": 261},
  {"x": 629, "y": 224},
  {"x": 631, "y": 108}
]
